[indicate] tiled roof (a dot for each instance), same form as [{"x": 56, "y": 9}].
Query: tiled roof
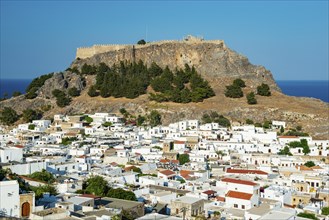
[
  {"x": 239, "y": 195},
  {"x": 179, "y": 142},
  {"x": 209, "y": 192},
  {"x": 90, "y": 196},
  {"x": 167, "y": 172},
  {"x": 288, "y": 137},
  {"x": 246, "y": 171},
  {"x": 237, "y": 181},
  {"x": 19, "y": 146},
  {"x": 221, "y": 199}
]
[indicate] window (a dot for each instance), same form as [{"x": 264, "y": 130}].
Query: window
[
  {"x": 243, "y": 207},
  {"x": 235, "y": 205},
  {"x": 294, "y": 199}
]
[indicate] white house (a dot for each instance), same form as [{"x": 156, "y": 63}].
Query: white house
[
  {"x": 150, "y": 180},
  {"x": 9, "y": 198},
  {"x": 12, "y": 153},
  {"x": 279, "y": 193},
  {"x": 240, "y": 194}
]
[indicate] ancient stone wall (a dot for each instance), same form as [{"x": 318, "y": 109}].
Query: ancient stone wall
[{"x": 86, "y": 52}]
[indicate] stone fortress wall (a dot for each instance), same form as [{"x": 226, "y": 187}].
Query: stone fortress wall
[{"x": 85, "y": 52}]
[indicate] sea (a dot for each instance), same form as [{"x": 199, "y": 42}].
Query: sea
[{"x": 310, "y": 88}]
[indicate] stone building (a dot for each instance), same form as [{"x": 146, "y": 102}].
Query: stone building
[
  {"x": 187, "y": 207},
  {"x": 26, "y": 203}
]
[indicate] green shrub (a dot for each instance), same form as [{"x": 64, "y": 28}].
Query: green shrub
[
  {"x": 239, "y": 82},
  {"x": 74, "y": 92},
  {"x": 16, "y": 93},
  {"x": 8, "y": 116},
  {"x": 92, "y": 92},
  {"x": 263, "y": 90},
  {"x": 251, "y": 99},
  {"x": 141, "y": 42},
  {"x": 233, "y": 91},
  {"x": 307, "y": 215}
]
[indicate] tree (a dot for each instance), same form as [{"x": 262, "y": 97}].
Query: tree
[
  {"x": 8, "y": 116},
  {"x": 233, "y": 91},
  {"x": 31, "y": 127},
  {"x": 92, "y": 92},
  {"x": 285, "y": 151},
  {"x": 137, "y": 169},
  {"x": 281, "y": 130},
  {"x": 222, "y": 121},
  {"x": 96, "y": 185},
  {"x": 302, "y": 144},
  {"x": 299, "y": 127},
  {"x": 32, "y": 93},
  {"x": 141, "y": 42},
  {"x": 73, "y": 92},
  {"x": 206, "y": 118},
  {"x": 140, "y": 120},
  {"x": 40, "y": 190},
  {"x": 43, "y": 175},
  {"x": 120, "y": 193},
  {"x": 216, "y": 213},
  {"x": 16, "y": 93},
  {"x": 107, "y": 124},
  {"x": 263, "y": 90},
  {"x": 154, "y": 118},
  {"x": 62, "y": 99},
  {"x": 68, "y": 141},
  {"x": 249, "y": 121},
  {"x": 183, "y": 158},
  {"x": 239, "y": 82},
  {"x": 38, "y": 82},
  {"x": 325, "y": 210},
  {"x": 88, "y": 119},
  {"x": 251, "y": 99},
  {"x": 124, "y": 112},
  {"x": 88, "y": 69},
  {"x": 306, "y": 149},
  {"x": 309, "y": 164},
  {"x": 30, "y": 115},
  {"x": 267, "y": 124}
]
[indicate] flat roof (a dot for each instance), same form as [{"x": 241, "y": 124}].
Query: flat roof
[
  {"x": 153, "y": 216},
  {"x": 187, "y": 199},
  {"x": 282, "y": 213},
  {"x": 117, "y": 203},
  {"x": 260, "y": 210}
]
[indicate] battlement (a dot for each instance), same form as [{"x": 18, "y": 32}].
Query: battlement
[{"x": 85, "y": 52}]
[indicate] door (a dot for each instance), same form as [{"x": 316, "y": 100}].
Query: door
[{"x": 25, "y": 209}]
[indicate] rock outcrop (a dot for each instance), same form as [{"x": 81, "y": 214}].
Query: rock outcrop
[
  {"x": 212, "y": 59},
  {"x": 62, "y": 81}
]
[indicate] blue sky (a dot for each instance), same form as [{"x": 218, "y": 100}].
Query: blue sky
[{"x": 290, "y": 38}]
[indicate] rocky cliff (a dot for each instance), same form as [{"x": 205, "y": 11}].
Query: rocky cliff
[{"x": 213, "y": 60}]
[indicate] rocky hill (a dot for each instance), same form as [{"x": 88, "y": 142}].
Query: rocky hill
[{"x": 213, "y": 60}]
